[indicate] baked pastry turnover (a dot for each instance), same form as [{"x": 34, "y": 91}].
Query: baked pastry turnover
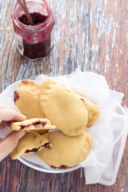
[
  {"x": 93, "y": 111},
  {"x": 64, "y": 108},
  {"x": 30, "y": 143},
  {"x": 66, "y": 151},
  {"x": 26, "y": 98},
  {"x": 35, "y": 124}
]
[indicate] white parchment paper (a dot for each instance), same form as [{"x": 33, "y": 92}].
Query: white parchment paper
[{"x": 109, "y": 132}]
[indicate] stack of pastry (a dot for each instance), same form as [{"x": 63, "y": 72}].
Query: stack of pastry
[{"x": 57, "y": 118}]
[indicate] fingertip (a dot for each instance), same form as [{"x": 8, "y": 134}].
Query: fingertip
[
  {"x": 20, "y": 117},
  {"x": 23, "y": 117}
]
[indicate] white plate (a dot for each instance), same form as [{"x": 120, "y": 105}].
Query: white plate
[{"x": 42, "y": 169}]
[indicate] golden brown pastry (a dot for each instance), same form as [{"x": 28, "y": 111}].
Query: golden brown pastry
[
  {"x": 64, "y": 108},
  {"x": 30, "y": 143},
  {"x": 66, "y": 151},
  {"x": 26, "y": 98},
  {"x": 35, "y": 124},
  {"x": 93, "y": 111}
]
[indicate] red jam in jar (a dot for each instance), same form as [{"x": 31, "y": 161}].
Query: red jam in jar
[{"x": 33, "y": 41}]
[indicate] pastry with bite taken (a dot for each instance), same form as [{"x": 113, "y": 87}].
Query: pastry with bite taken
[
  {"x": 35, "y": 124},
  {"x": 30, "y": 143}
]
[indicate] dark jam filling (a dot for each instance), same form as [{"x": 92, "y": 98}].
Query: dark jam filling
[
  {"x": 61, "y": 167},
  {"x": 40, "y": 49},
  {"x": 37, "y": 19},
  {"x": 34, "y": 150},
  {"x": 82, "y": 99},
  {"x": 16, "y": 96},
  {"x": 35, "y": 124},
  {"x": 39, "y": 123},
  {"x": 48, "y": 145}
]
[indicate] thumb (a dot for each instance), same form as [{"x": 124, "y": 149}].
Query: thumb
[
  {"x": 9, "y": 143},
  {"x": 7, "y": 114}
]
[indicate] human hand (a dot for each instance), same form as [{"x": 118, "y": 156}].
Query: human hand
[{"x": 9, "y": 143}]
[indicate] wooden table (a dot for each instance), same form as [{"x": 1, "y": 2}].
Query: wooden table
[{"x": 90, "y": 34}]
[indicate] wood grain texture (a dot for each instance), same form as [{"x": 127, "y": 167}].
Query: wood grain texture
[{"x": 89, "y": 34}]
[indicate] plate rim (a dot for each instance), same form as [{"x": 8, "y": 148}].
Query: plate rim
[{"x": 41, "y": 169}]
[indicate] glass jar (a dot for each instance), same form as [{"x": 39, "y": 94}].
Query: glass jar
[{"x": 33, "y": 41}]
